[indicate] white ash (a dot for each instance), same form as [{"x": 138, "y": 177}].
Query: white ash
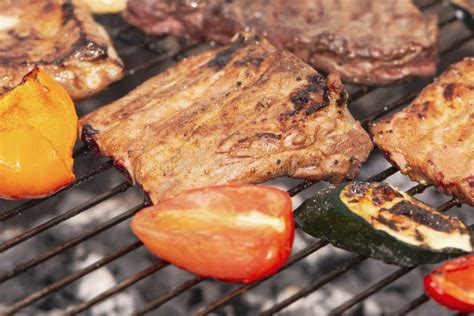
[
  {"x": 135, "y": 297},
  {"x": 89, "y": 287},
  {"x": 316, "y": 265}
]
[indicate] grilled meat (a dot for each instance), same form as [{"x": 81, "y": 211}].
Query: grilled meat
[
  {"x": 241, "y": 114},
  {"x": 432, "y": 140},
  {"x": 181, "y": 18},
  {"x": 367, "y": 42},
  {"x": 61, "y": 37}
]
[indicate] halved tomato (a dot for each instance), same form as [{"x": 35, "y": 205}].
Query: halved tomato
[
  {"x": 452, "y": 284},
  {"x": 236, "y": 233}
]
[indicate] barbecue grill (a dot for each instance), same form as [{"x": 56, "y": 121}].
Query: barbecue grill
[{"x": 100, "y": 184}]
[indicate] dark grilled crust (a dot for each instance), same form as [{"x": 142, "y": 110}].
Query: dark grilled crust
[
  {"x": 79, "y": 54},
  {"x": 243, "y": 114},
  {"x": 441, "y": 151},
  {"x": 330, "y": 35}
]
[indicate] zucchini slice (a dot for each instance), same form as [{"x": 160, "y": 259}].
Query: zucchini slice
[{"x": 376, "y": 220}]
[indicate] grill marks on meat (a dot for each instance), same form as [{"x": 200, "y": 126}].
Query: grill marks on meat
[
  {"x": 432, "y": 140},
  {"x": 61, "y": 37},
  {"x": 367, "y": 42},
  {"x": 216, "y": 118}
]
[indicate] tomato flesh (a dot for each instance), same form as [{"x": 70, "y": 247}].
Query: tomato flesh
[
  {"x": 234, "y": 233},
  {"x": 452, "y": 284}
]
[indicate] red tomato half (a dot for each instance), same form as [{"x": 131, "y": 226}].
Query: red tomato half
[
  {"x": 452, "y": 284},
  {"x": 234, "y": 233}
]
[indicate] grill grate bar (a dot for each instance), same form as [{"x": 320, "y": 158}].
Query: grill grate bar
[
  {"x": 45, "y": 256},
  {"x": 420, "y": 300},
  {"x": 165, "y": 56},
  {"x": 341, "y": 269},
  {"x": 183, "y": 287},
  {"x": 169, "y": 295},
  {"x": 70, "y": 278},
  {"x": 371, "y": 290},
  {"x": 122, "y": 285},
  {"x": 81, "y": 151},
  {"x": 190, "y": 283},
  {"x": 31, "y": 203},
  {"x": 300, "y": 187},
  {"x": 418, "y": 189},
  {"x": 242, "y": 289},
  {"x": 333, "y": 274},
  {"x": 150, "y": 270},
  {"x": 383, "y": 174},
  {"x": 71, "y": 243},
  {"x": 409, "y": 97},
  {"x": 388, "y": 279},
  {"x": 84, "y": 149},
  {"x": 64, "y": 216},
  {"x": 363, "y": 91},
  {"x": 384, "y": 110},
  {"x": 169, "y": 55}
]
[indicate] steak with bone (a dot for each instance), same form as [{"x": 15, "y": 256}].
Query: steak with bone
[
  {"x": 432, "y": 140},
  {"x": 367, "y": 42},
  {"x": 61, "y": 37},
  {"x": 244, "y": 113}
]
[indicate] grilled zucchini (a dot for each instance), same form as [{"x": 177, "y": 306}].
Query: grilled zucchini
[{"x": 378, "y": 221}]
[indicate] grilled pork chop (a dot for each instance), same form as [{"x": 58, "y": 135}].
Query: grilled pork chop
[
  {"x": 61, "y": 37},
  {"x": 367, "y": 42},
  {"x": 241, "y": 114},
  {"x": 432, "y": 140}
]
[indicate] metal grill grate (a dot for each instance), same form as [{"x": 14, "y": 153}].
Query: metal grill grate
[{"x": 159, "y": 53}]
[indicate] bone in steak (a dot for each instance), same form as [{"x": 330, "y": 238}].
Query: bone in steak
[
  {"x": 367, "y": 42},
  {"x": 61, "y": 37},
  {"x": 432, "y": 140},
  {"x": 245, "y": 113}
]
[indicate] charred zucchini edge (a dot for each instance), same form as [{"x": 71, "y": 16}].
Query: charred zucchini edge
[{"x": 325, "y": 216}]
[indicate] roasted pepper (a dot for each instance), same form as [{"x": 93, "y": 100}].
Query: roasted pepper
[
  {"x": 38, "y": 129},
  {"x": 452, "y": 284}
]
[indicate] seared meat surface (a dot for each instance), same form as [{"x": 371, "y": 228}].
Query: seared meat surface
[
  {"x": 432, "y": 140},
  {"x": 245, "y": 113},
  {"x": 61, "y": 37},
  {"x": 182, "y": 18},
  {"x": 367, "y": 42}
]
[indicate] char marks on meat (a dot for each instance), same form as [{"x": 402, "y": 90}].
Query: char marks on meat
[
  {"x": 61, "y": 37},
  {"x": 367, "y": 42},
  {"x": 432, "y": 140},
  {"x": 221, "y": 117}
]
